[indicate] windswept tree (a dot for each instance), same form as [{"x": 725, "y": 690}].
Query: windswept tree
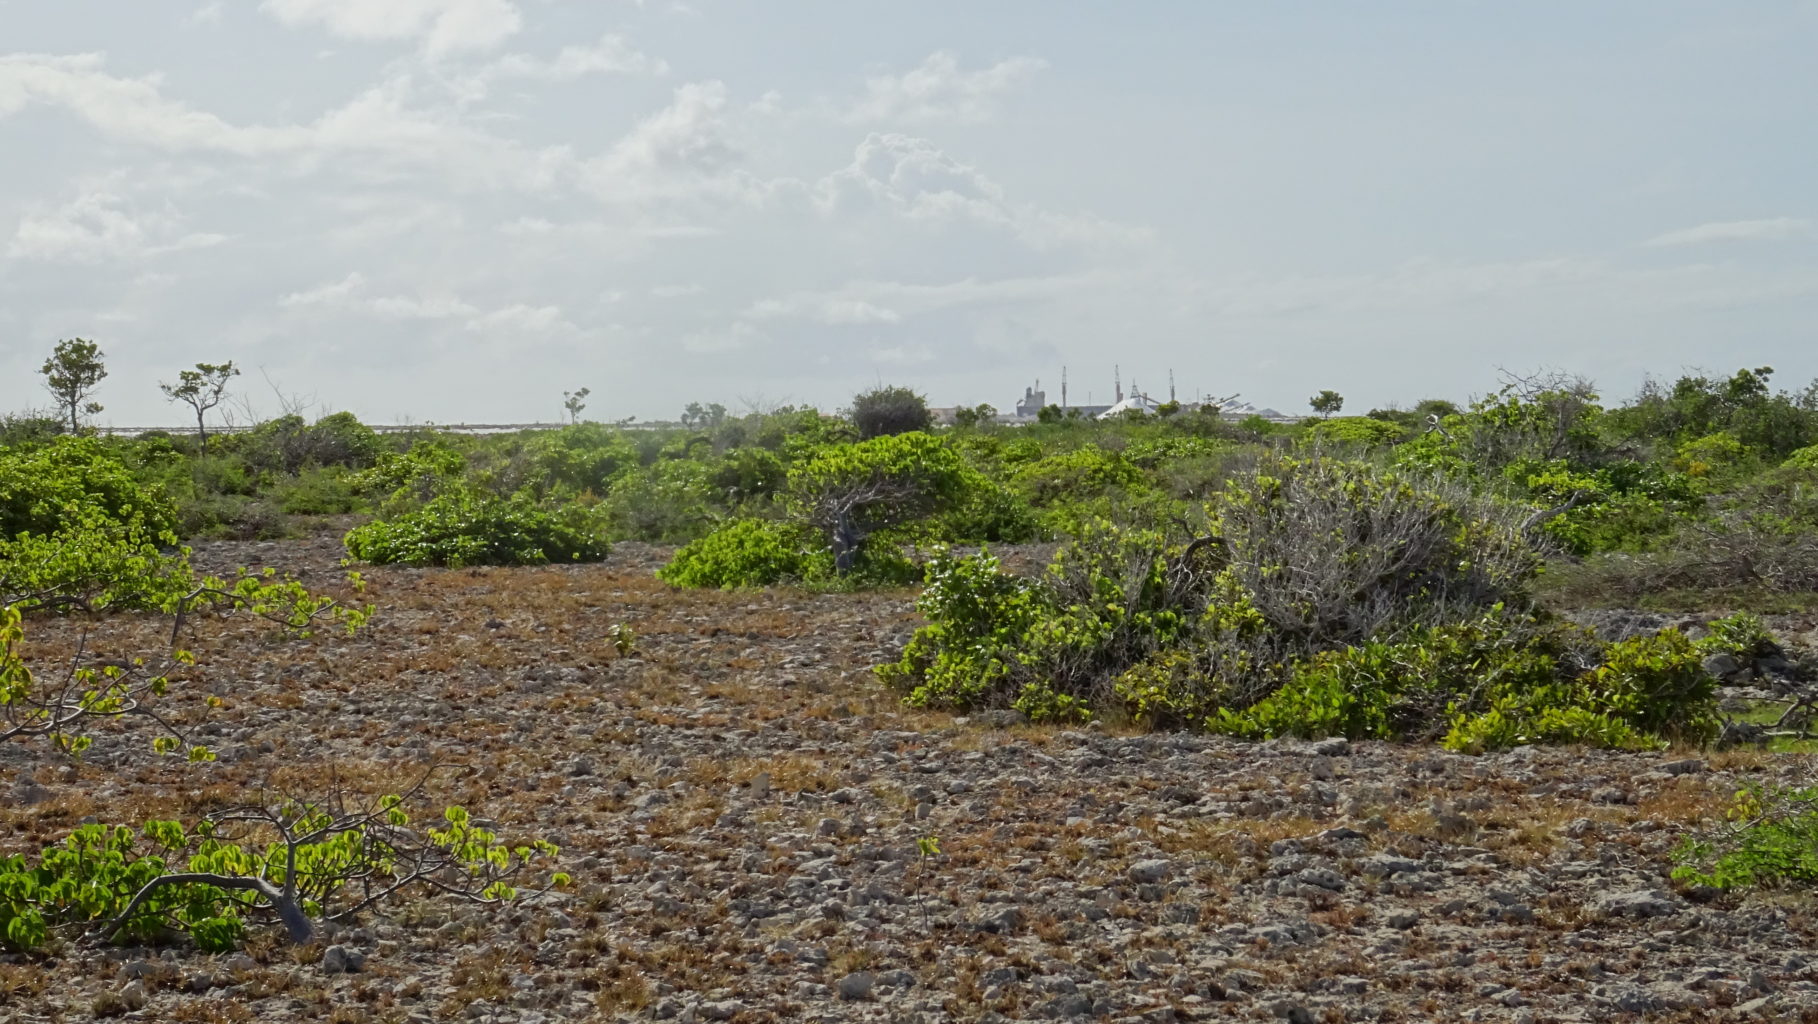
[
  {"x": 1326, "y": 403},
  {"x": 574, "y": 402},
  {"x": 201, "y": 389},
  {"x": 71, "y": 373},
  {"x": 851, "y": 491}
]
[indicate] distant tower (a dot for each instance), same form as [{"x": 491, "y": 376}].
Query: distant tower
[
  {"x": 1117, "y": 377},
  {"x": 1063, "y": 389},
  {"x": 1170, "y": 385}
]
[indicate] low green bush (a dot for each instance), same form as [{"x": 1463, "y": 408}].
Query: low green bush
[
  {"x": 1326, "y": 598},
  {"x": 1085, "y": 472},
  {"x": 742, "y": 553},
  {"x": 760, "y": 553},
  {"x": 317, "y": 491},
  {"x": 1362, "y": 431},
  {"x": 44, "y": 488},
  {"x": 469, "y": 528},
  {"x": 668, "y": 502},
  {"x": 1770, "y": 842}
]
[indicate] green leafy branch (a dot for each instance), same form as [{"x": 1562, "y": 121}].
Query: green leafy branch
[{"x": 298, "y": 862}]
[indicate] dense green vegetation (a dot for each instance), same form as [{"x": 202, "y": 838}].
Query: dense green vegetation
[
  {"x": 1398, "y": 575},
  {"x": 1395, "y": 574}
]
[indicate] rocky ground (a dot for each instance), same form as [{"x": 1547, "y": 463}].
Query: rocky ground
[{"x": 740, "y": 807}]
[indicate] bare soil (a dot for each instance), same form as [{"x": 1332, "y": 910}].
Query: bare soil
[{"x": 740, "y": 805}]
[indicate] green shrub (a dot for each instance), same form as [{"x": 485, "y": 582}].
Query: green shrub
[
  {"x": 669, "y": 502},
  {"x": 1804, "y": 458},
  {"x": 1772, "y": 841},
  {"x": 1081, "y": 474},
  {"x": 852, "y": 491},
  {"x": 584, "y": 458},
  {"x": 1742, "y": 636},
  {"x": 401, "y": 480},
  {"x": 469, "y": 528},
  {"x": 742, "y": 553},
  {"x": 288, "y": 444},
  {"x": 883, "y": 411},
  {"x": 94, "y": 562},
  {"x": 1314, "y": 578},
  {"x": 748, "y": 473},
  {"x": 1656, "y": 684},
  {"x": 1357, "y": 430},
  {"x": 970, "y": 653},
  {"x": 317, "y": 491},
  {"x": 44, "y": 488},
  {"x": 990, "y": 513}
]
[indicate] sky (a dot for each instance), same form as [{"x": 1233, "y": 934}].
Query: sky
[{"x": 457, "y": 211}]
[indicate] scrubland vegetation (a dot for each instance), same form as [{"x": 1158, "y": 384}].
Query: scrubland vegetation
[{"x": 1464, "y": 578}]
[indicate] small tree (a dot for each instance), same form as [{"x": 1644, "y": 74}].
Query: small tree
[
  {"x": 201, "y": 389},
  {"x": 890, "y": 410},
  {"x": 574, "y": 402},
  {"x": 1326, "y": 403},
  {"x": 71, "y": 372},
  {"x": 852, "y": 491},
  {"x": 982, "y": 415},
  {"x": 699, "y": 417}
]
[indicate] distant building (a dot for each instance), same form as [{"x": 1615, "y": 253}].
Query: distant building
[{"x": 1033, "y": 402}]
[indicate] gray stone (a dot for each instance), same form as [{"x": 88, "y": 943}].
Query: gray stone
[
  {"x": 1723, "y": 666},
  {"x": 1005, "y": 919},
  {"x": 724, "y": 1009},
  {"x": 342, "y": 960},
  {"x": 1324, "y": 878},
  {"x": 1073, "y": 1004},
  {"x": 1639, "y": 903},
  {"x": 1150, "y": 871},
  {"x": 1337, "y": 746},
  {"x": 857, "y": 985}
]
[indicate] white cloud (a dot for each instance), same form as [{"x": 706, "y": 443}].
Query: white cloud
[
  {"x": 719, "y": 341},
  {"x": 938, "y": 90},
  {"x": 380, "y": 124},
  {"x": 830, "y": 309},
  {"x": 348, "y": 295},
  {"x": 443, "y": 26},
  {"x": 676, "y": 291},
  {"x": 1769, "y": 230},
  {"x": 100, "y": 226},
  {"x": 1417, "y": 285},
  {"x": 916, "y": 179},
  {"x": 521, "y": 318},
  {"x": 889, "y": 302},
  {"x": 208, "y": 14},
  {"x": 337, "y": 294},
  {"x": 611, "y": 55},
  {"x": 674, "y": 148}
]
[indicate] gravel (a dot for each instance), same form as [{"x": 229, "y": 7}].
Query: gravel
[{"x": 742, "y": 810}]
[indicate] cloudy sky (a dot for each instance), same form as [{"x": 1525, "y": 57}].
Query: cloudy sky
[{"x": 456, "y": 210}]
